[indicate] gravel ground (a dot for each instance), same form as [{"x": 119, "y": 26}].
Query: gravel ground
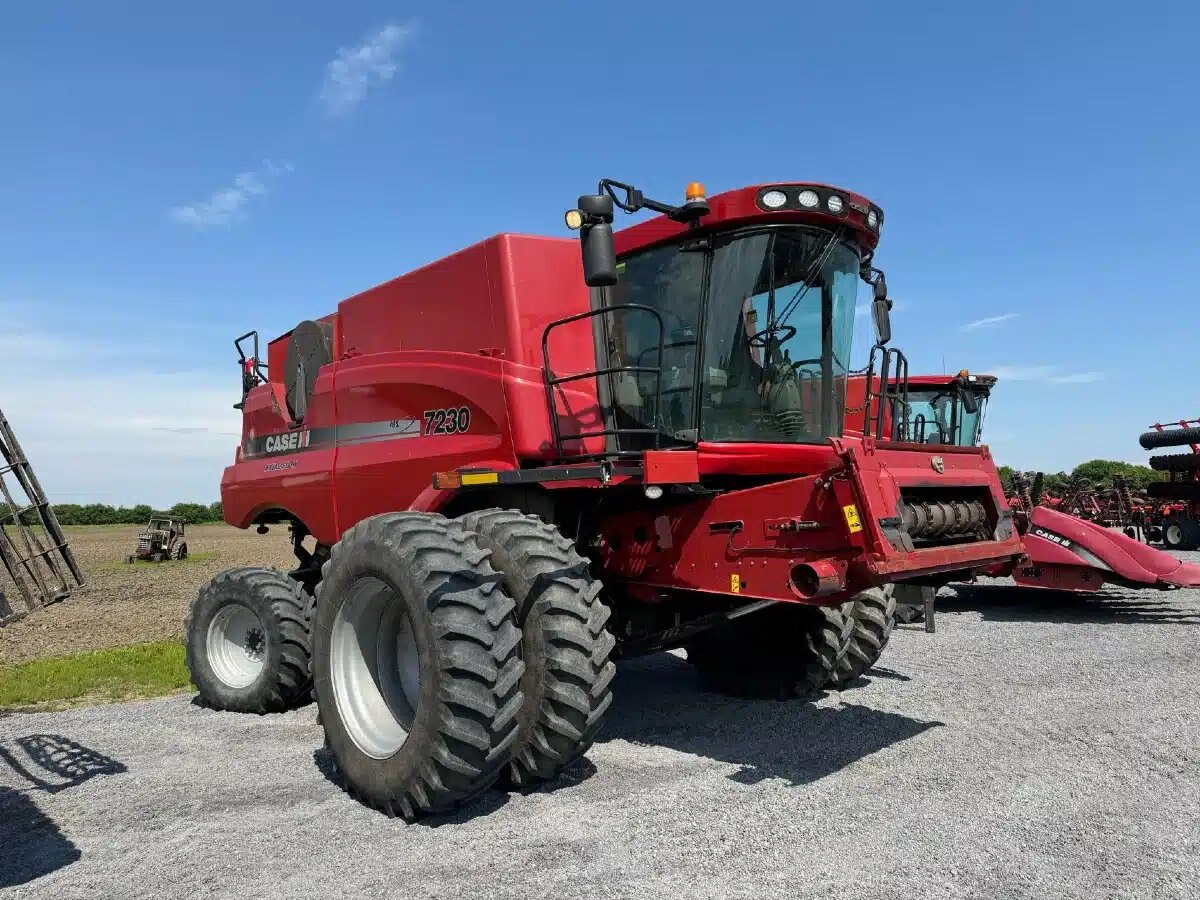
[{"x": 1037, "y": 746}]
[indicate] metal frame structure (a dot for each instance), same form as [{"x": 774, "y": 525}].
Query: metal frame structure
[{"x": 33, "y": 548}]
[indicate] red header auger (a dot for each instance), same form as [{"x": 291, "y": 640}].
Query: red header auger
[{"x": 506, "y": 469}]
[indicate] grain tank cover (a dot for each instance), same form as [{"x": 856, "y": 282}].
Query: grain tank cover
[{"x": 309, "y": 347}]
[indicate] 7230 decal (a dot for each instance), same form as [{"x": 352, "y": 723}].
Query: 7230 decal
[{"x": 447, "y": 421}]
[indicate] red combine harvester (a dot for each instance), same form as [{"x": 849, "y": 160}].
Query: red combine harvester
[
  {"x": 944, "y": 410},
  {"x": 515, "y": 469},
  {"x": 1064, "y": 552}
]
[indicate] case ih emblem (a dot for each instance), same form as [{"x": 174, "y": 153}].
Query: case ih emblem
[
  {"x": 283, "y": 443},
  {"x": 938, "y": 465}
]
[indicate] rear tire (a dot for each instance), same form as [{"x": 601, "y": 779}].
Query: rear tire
[
  {"x": 416, "y": 663},
  {"x": 785, "y": 651},
  {"x": 248, "y": 642},
  {"x": 567, "y": 683},
  {"x": 873, "y": 613},
  {"x": 180, "y": 551}
]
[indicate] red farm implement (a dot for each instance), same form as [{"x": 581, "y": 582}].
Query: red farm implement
[
  {"x": 1176, "y": 509},
  {"x": 1080, "y": 541},
  {"x": 507, "y": 469}
]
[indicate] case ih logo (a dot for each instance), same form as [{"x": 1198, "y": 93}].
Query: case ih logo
[
  {"x": 938, "y": 464},
  {"x": 286, "y": 443},
  {"x": 1051, "y": 536}
]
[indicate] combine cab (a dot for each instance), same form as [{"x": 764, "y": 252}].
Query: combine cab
[
  {"x": 163, "y": 538},
  {"x": 507, "y": 469}
]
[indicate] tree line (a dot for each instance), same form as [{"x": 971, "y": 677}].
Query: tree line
[
  {"x": 103, "y": 514},
  {"x": 1099, "y": 473}
]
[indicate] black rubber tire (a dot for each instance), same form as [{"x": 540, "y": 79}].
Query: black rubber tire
[
  {"x": 1175, "y": 462},
  {"x": 465, "y": 722},
  {"x": 1191, "y": 533},
  {"x": 910, "y": 602},
  {"x": 180, "y": 551},
  {"x": 873, "y": 613},
  {"x": 565, "y": 645},
  {"x": 1172, "y": 437},
  {"x": 785, "y": 651},
  {"x": 279, "y": 603},
  {"x": 1173, "y": 533}
]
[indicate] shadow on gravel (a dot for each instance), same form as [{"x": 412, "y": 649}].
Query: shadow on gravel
[
  {"x": 658, "y": 701},
  {"x": 1006, "y": 603},
  {"x": 31, "y": 844}
]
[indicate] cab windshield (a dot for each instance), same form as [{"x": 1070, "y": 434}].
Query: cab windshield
[
  {"x": 757, "y": 326},
  {"x": 938, "y": 416}
]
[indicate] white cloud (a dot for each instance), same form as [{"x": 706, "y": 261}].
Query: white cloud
[
  {"x": 355, "y": 70},
  {"x": 1050, "y": 374},
  {"x": 1078, "y": 378},
  {"x": 99, "y": 425},
  {"x": 228, "y": 204},
  {"x": 989, "y": 322}
]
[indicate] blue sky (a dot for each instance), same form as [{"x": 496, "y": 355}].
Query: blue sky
[{"x": 174, "y": 175}]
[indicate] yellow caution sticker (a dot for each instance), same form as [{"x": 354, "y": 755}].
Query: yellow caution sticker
[
  {"x": 853, "y": 522},
  {"x": 735, "y": 584}
]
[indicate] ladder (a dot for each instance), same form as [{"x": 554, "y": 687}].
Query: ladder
[{"x": 33, "y": 549}]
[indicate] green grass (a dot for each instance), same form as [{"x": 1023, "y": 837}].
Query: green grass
[
  {"x": 167, "y": 563},
  {"x": 123, "y": 673}
]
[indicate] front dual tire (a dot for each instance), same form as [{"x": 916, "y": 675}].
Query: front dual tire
[
  {"x": 416, "y": 663},
  {"x": 452, "y": 655}
]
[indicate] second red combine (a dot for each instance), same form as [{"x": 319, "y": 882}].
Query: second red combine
[{"x": 522, "y": 461}]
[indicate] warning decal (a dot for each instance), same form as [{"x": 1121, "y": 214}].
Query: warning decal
[{"x": 853, "y": 522}]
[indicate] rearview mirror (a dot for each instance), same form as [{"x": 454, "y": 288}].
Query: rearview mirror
[
  {"x": 881, "y": 311},
  {"x": 596, "y": 240}
]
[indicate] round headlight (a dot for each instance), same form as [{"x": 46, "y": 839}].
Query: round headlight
[
  {"x": 774, "y": 199},
  {"x": 873, "y": 218},
  {"x": 808, "y": 199},
  {"x": 574, "y": 219},
  {"x": 834, "y": 203}
]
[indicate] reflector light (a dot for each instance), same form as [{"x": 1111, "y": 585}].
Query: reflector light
[
  {"x": 873, "y": 218},
  {"x": 469, "y": 478},
  {"x": 834, "y": 203},
  {"x": 446, "y": 481}
]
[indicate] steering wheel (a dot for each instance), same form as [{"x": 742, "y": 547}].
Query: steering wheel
[{"x": 780, "y": 333}]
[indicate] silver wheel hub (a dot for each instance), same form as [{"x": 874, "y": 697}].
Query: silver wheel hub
[
  {"x": 375, "y": 668},
  {"x": 237, "y": 645}
]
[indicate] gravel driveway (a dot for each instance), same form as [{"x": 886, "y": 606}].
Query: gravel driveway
[{"x": 1038, "y": 745}]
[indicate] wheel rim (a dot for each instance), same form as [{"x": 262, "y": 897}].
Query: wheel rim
[
  {"x": 1174, "y": 534},
  {"x": 375, "y": 668},
  {"x": 237, "y": 645}
]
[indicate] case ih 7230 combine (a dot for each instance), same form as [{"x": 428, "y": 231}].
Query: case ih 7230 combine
[{"x": 515, "y": 469}]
